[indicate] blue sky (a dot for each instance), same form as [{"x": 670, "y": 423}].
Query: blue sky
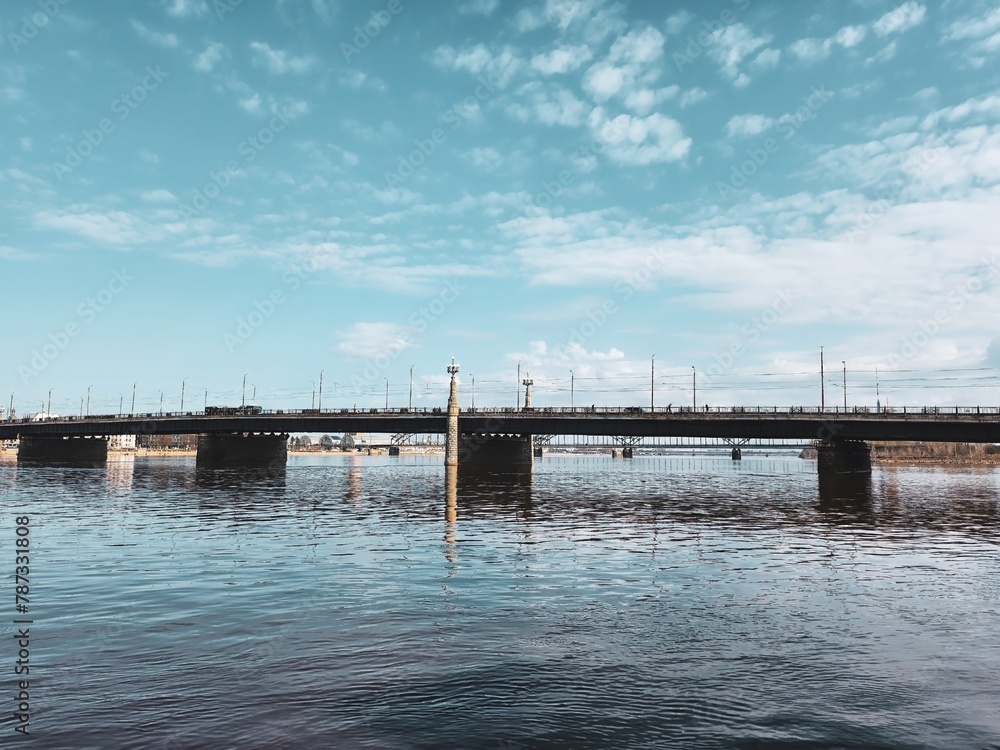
[{"x": 195, "y": 190}]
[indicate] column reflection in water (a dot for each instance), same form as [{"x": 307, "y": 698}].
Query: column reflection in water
[
  {"x": 846, "y": 498},
  {"x": 352, "y": 487},
  {"x": 450, "y": 513}
]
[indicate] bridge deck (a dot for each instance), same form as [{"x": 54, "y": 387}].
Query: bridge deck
[{"x": 940, "y": 424}]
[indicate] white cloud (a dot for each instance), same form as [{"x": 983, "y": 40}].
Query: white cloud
[
  {"x": 158, "y": 196},
  {"x": 730, "y": 46},
  {"x": 850, "y": 36},
  {"x": 742, "y": 126},
  {"x": 767, "y": 60},
  {"x": 975, "y": 27},
  {"x": 989, "y": 107},
  {"x": 907, "y": 16},
  {"x": 26, "y": 143},
  {"x": 812, "y": 50},
  {"x": 154, "y": 37},
  {"x": 479, "y": 7},
  {"x": 370, "y": 340},
  {"x": 693, "y": 96},
  {"x": 640, "y": 141},
  {"x": 279, "y": 62},
  {"x": 206, "y": 61},
  {"x": 644, "y": 101},
  {"x": 562, "y": 59},
  {"x": 252, "y": 104},
  {"x": 551, "y": 105},
  {"x": 631, "y": 63},
  {"x": 486, "y": 158},
  {"x": 187, "y": 8},
  {"x": 500, "y": 66}
]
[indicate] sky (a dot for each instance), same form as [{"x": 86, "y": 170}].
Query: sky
[{"x": 689, "y": 198}]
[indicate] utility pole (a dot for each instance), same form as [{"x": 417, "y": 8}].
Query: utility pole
[
  {"x": 243, "y": 401},
  {"x": 161, "y": 403},
  {"x": 694, "y": 387},
  {"x": 321, "y": 390},
  {"x": 313, "y": 402},
  {"x": 133, "y": 398},
  {"x": 517, "y": 403},
  {"x": 121, "y": 403},
  {"x": 386, "y": 393},
  {"x": 410, "y": 404},
  {"x": 572, "y": 402},
  {"x": 878, "y": 401},
  {"x": 88, "y": 399},
  {"x": 206, "y": 399},
  {"x": 473, "y": 391},
  {"x": 48, "y": 409},
  {"x": 183, "y": 383}
]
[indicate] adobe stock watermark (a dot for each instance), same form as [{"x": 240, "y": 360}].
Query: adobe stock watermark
[
  {"x": 751, "y": 331},
  {"x": 455, "y": 116},
  {"x": 626, "y": 287},
  {"x": 264, "y": 309},
  {"x": 366, "y": 33},
  {"x": 958, "y": 297},
  {"x": 249, "y": 148},
  {"x": 554, "y": 188},
  {"x": 32, "y": 25},
  {"x": 889, "y": 196},
  {"x": 789, "y": 125},
  {"x": 697, "y": 43},
  {"x": 122, "y": 106},
  {"x": 419, "y": 322},
  {"x": 86, "y": 313}
]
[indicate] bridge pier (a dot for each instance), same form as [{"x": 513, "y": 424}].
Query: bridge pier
[
  {"x": 242, "y": 450},
  {"x": 495, "y": 452},
  {"x": 844, "y": 457},
  {"x": 74, "y": 451}
]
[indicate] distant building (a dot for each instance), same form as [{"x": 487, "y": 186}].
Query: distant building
[{"x": 122, "y": 443}]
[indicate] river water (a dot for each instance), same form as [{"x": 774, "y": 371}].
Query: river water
[{"x": 355, "y": 602}]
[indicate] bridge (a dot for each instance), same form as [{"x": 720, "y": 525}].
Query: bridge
[{"x": 503, "y": 436}]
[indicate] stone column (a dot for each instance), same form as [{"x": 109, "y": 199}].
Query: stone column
[{"x": 451, "y": 437}]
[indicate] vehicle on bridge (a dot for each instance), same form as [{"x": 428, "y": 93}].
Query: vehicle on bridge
[{"x": 232, "y": 411}]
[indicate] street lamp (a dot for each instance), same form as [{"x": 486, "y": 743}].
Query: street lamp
[
  {"x": 572, "y": 403},
  {"x": 694, "y": 387},
  {"x": 313, "y": 402},
  {"x": 411, "y": 388},
  {"x": 161, "y": 403},
  {"x": 386, "y": 393},
  {"x": 48, "y": 409},
  {"x": 88, "y": 399},
  {"x": 133, "y": 397},
  {"x": 183, "y": 383},
  {"x": 822, "y": 383},
  {"x": 518, "y": 403},
  {"x": 321, "y": 390},
  {"x": 845, "y": 383},
  {"x": 121, "y": 403},
  {"x": 652, "y": 370},
  {"x": 243, "y": 402},
  {"x": 473, "y": 391}
]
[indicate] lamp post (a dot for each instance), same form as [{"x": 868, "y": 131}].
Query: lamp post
[
  {"x": 518, "y": 402},
  {"x": 572, "y": 401},
  {"x": 652, "y": 371},
  {"x": 183, "y": 383},
  {"x": 320, "y": 407},
  {"x": 386, "y": 393},
  {"x": 844, "y": 363},
  {"x": 10, "y": 411},
  {"x": 243, "y": 401},
  {"x": 81, "y": 407},
  {"x": 694, "y": 387},
  {"x": 822, "y": 383},
  {"x": 88, "y": 399},
  {"x": 313, "y": 402},
  {"x": 878, "y": 400},
  {"x": 206, "y": 399},
  {"x": 48, "y": 409},
  {"x": 133, "y": 397},
  {"x": 473, "y": 391},
  {"x": 161, "y": 403},
  {"x": 410, "y": 403},
  {"x": 121, "y": 403}
]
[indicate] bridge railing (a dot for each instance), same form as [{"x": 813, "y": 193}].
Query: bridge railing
[{"x": 885, "y": 412}]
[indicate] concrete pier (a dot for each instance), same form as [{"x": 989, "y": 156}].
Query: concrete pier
[
  {"x": 496, "y": 452},
  {"x": 451, "y": 441},
  {"x": 242, "y": 449},
  {"x": 83, "y": 451},
  {"x": 844, "y": 457}
]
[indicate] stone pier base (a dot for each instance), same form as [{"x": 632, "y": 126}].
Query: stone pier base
[
  {"x": 485, "y": 451},
  {"x": 844, "y": 457},
  {"x": 241, "y": 449},
  {"x": 77, "y": 451}
]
